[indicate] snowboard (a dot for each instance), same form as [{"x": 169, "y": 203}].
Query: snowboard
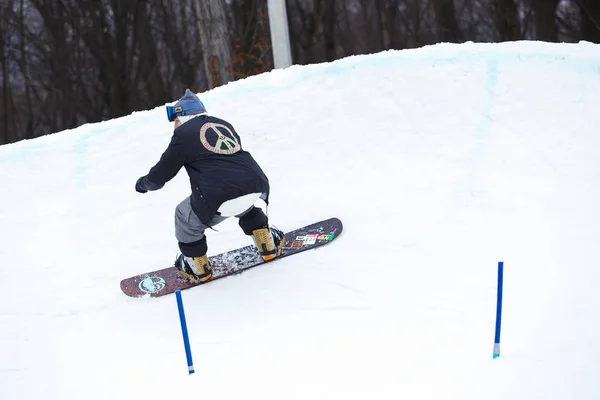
[{"x": 165, "y": 281}]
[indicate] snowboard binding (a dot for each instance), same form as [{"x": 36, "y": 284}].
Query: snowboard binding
[
  {"x": 269, "y": 241},
  {"x": 195, "y": 269}
]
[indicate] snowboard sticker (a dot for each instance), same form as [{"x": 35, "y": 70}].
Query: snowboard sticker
[{"x": 165, "y": 281}]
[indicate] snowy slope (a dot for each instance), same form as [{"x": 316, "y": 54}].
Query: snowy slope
[{"x": 440, "y": 161}]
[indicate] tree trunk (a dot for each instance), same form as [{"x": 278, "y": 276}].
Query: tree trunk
[
  {"x": 377, "y": 23},
  {"x": 545, "y": 20},
  {"x": 445, "y": 14},
  {"x": 23, "y": 65},
  {"x": 149, "y": 84},
  {"x": 391, "y": 23},
  {"x": 346, "y": 33},
  {"x": 507, "y": 20},
  {"x": 5, "y": 109},
  {"x": 213, "y": 28},
  {"x": 185, "y": 63},
  {"x": 590, "y": 20},
  {"x": 329, "y": 22}
]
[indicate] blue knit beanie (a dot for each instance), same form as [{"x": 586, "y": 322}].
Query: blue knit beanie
[{"x": 190, "y": 98}]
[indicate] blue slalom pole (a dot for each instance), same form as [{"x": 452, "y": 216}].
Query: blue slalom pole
[
  {"x": 498, "y": 310},
  {"x": 186, "y": 340}
]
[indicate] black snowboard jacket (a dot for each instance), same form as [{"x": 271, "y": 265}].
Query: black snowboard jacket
[{"x": 219, "y": 169}]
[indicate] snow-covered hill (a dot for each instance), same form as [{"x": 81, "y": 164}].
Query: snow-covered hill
[{"x": 440, "y": 161}]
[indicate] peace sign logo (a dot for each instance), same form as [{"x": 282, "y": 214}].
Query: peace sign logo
[{"x": 225, "y": 141}]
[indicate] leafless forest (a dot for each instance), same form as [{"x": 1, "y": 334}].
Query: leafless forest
[{"x": 67, "y": 62}]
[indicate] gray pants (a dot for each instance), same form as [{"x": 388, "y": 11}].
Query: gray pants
[
  {"x": 188, "y": 227},
  {"x": 189, "y": 230}
]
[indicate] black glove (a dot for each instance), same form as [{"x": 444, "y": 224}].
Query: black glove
[{"x": 140, "y": 185}]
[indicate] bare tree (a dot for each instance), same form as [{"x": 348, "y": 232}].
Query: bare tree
[
  {"x": 251, "y": 41},
  {"x": 383, "y": 22},
  {"x": 506, "y": 19},
  {"x": 445, "y": 13},
  {"x": 6, "y": 134},
  {"x": 390, "y": 22},
  {"x": 27, "y": 128},
  {"x": 12, "y": 106},
  {"x": 590, "y": 20},
  {"x": 215, "y": 38},
  {"x": 303, "y": 26},
  {"x": 56, "y": 51},
  {"x": 544, "y": 12},
  {"x": 177, "y": 35},
  {"x": 67, "y": 62},
  {"x": 415, "y": 26}
]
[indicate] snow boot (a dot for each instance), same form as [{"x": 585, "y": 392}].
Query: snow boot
[
  {"x": 269, "y": 241},
  {"x": 196, "y": 269}
]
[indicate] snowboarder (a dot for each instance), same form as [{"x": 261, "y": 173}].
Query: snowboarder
[{"x": 225, "y": 182}]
